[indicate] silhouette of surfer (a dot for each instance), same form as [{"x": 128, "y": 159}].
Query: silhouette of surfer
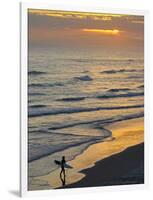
[{"x": 63, "y": 170}]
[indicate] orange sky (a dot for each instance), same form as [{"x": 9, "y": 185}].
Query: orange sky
[{"x": 85, "y": 29}]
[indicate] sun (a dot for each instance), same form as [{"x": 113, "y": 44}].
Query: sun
[{"x": 104, "y": 31}]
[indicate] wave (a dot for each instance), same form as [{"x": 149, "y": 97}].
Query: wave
[
  {"x": 123, "y": 89},
  {"x": 84, "y": 78},
  {"x": 89, "y": 60},
  {"x": 101, "y": 122},
  {"x": 36, "y": 94},
  {"x": 45, "y": 150},
  {"x": 118, "y": 89},
  {"x": 36, "y": 73},
  {"x": 37, "y": 106},
  {"x": 135, "y": 77},
  {"x": 38, "y": 149},
  {"x": 72, "y": 99},
  {"x": 118, "y": 71},
  {"x": 85, "y": 72},
  {"x": 109, "y": 94},
  {"x": 45, "y": 84},
  {"x": 39, "y": 165},
  {"x": 141, "y": 86},
  {"x": 36, "y": 113},
  {"x": 130, "y": 94}
]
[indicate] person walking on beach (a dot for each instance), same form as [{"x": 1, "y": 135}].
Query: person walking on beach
[{"x": 63, "y": 170}]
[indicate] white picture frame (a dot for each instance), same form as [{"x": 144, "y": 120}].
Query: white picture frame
[{"x": 24, "y": 78}]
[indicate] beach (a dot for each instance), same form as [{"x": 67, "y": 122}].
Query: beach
[
  {"x": 110, "y": 171},
  {"x": 117, "y": 160}
]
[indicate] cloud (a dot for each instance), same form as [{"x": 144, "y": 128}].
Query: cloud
[
  {"x": 83, "y": 29},
  {"x": 73, "y": 15}
]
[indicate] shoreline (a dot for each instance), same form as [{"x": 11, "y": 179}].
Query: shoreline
[
  {"x": 110, "y": 172},
  {"x": 125, "y": 134}
]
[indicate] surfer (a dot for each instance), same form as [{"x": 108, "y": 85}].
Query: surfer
[
  {"x": 63, "y": 170},
  {"x": 63, "y": 165}
]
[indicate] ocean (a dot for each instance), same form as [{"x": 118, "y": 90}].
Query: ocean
[{"x": 72, "y": 95}]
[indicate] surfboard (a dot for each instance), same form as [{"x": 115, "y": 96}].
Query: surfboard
[{"x": 57, "y": 162}]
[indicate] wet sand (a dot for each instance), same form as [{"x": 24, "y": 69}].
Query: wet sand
[
  {"x": 126, "y": 167},
  {"x": 86, "y": 171}
]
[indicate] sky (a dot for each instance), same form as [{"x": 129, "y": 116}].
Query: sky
[{"x": 84, "y": 30}]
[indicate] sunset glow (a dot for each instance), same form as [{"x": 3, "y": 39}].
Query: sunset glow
[
  {"x": 51, "y": 27},
  {"x": 103, "y": 31}
]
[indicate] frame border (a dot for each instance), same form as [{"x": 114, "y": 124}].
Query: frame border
[{"x": 24, "y": 95}]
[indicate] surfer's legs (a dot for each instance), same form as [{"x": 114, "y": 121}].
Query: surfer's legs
[
  {"x": 61, "y": 175},
  {"x": 64, "y": 172},
  {"x": 62, "y": 178}
]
